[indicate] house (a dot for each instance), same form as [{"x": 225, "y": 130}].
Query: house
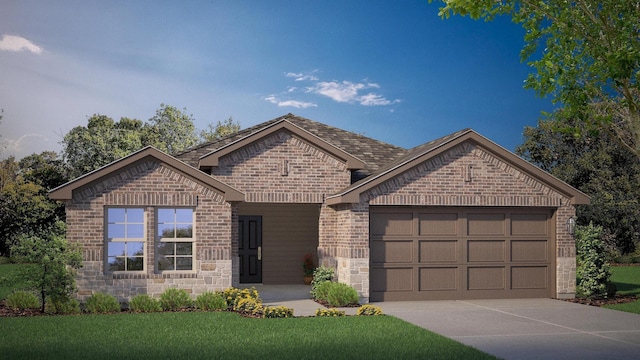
[{"x": 456, "y": 218}]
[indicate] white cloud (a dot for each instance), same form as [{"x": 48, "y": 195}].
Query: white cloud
[
  {"x": 25, "y": 145},
  {"x": 17, "y": 44},
  {"x": 303, "y": 76},
  {"x": 289, "y": 103}
]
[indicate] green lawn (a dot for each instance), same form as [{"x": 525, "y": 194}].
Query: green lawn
[
  {"x": 627, "y": 280},
  {"x": 222, "y": 335},
  {"x": 5, "y": 271}
]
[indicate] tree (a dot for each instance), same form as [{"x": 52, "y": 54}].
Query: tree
[
  {"x": 101, "y": 142},
  {"x": 220, "y": 130},
  {"x": 587, "y": 57},
  {"x": 171, "y": 130},
  {"x": 598, "y": 166},
  {"x": 52, "y": 264}
]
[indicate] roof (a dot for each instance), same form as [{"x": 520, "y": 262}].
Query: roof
[
  {"x": 373, "y": 153},
  {"x": 65, "y": 191},
  {"x": 433, "y": 148}
]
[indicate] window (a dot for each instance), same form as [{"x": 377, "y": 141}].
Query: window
[
  {"x": 125, "y": 239},
  {"x": 174, "y": 248}
]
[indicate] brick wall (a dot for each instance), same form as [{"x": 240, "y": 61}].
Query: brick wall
[
  {"x": 281, "y": 168},
  {"x": 149, "y": 185}
]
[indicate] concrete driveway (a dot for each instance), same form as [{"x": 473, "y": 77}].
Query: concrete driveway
[{"x": 528, "y": 328}]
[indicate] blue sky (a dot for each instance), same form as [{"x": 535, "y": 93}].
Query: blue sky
[{"x": 393, "y": 71}]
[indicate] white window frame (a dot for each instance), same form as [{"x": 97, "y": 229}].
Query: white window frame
[
  {"x": 175, "y": 240},
  {"x": 125, "y": 240}
]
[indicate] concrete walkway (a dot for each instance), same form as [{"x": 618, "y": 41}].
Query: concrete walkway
[{"x": 528, "y": 328}]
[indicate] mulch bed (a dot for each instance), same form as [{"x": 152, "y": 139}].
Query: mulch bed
[{"x": 618, "y": 299}]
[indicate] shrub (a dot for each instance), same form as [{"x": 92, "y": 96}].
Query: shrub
[
  {"x": 249, "y": 306},
  {"x": 329, "y": 313},
  {"x": 22, "y": 300},
  {"x": 144, "y": 303},
  {"x": 277, "y": 312},
  {"x": 101, "y": 303},
  {"x": 233, "y": 295},
  {"x": 340, "y": 294},
  {"x": 62, "y": 306},
  {"x": 369, "y": 310},
  {"x": 592, "y": 271},
  {"x": 211, "y": 301},
  {"x": 320, "y": 275},
  {"x": 322, "y": 290},
  {"x": 175, "y": 299}
]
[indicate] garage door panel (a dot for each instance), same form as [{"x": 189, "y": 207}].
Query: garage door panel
[
  {"x": 437, "y": 251},
  {"x": 485, "y": 224},
  {"x": 486, "y": 278},
  {"x": 399, "y": 251},
  {"x": 486, "y": 250},
  {"x": 529, "y": 250},
  {"x": 529, "y": 277},
  {"x": 529, "y": 224},
  {"x": 392, "y": 279},
  {"x": 391, "y": 224},
  {"x": 439, "y": 224},
  {"x": 439, "y": 279}
]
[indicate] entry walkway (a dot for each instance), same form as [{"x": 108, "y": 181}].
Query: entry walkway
[{"x": 528, "y": 328}]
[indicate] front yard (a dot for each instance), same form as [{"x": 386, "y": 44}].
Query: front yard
[
  {"x": 222, "y": 335},
  {"x": 627, "y": 281}
]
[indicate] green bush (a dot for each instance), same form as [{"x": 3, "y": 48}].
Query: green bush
[
  {"x": 330, "y": 313},
  {"x": 322, "y": 290},
  {"x": 211, "y": 301},
  {"x": 62, "y": 306},
  {"x": 101, "y": 303},
  {"x": 277, "y": 312},
  {"x": 22, "y": 300},
  {"x": 175, "y": 299},
  {"x": 593, "y": 271},
  {"x": 320, "y": 275},
  {"x": 369, "y": 310},
  {"x": 340, "y": 294},
  {"x": 144, "y": 303}
]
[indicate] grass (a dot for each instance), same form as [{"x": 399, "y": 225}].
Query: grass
[
  {"x": 627, "y": 281},
  {"x": 5, "y": 271},
  {"x": 222, "y": 335}
]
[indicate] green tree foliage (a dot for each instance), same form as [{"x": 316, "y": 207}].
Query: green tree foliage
[
  {"x": 25, "y": 208},
  {"x": 101, "y": 142},
  {"x": 171, "y": 130},
  {"x": 52, "y": 265},
  {"x": 592, "y": 271},
  {"x": 220, "y": 130},
  {"x": 598, "y": 166},
  {"x": 586, "y": 55}
]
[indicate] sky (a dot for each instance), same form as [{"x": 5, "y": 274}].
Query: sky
[{"x": 393, "y": 71}]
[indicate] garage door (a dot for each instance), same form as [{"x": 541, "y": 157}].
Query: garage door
[{"x": 461, "y": 253}]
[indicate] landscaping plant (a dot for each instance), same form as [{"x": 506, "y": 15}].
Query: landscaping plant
[
  {"x": 369, "y": 310},
  {"x": 320, "y": 275},
  {"x": 340, "y": 294},
  {"x": 211, "y": 301},
  {"x": 144, "y": 303},
  {"x": 101, "y": 303},
  {"x": 22, "y": 300},
  {"x": 330, "y": 313},
  {"x": 593, "y": 271},
  {"x": 175, "y": 299}
]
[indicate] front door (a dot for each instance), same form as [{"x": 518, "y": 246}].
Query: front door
[{"x": 250, "y": 249}]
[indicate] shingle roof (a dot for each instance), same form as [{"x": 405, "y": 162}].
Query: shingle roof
[{"x": 374, "y": 153}]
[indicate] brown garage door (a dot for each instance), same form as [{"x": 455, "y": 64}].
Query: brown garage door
[{"x": 461, "y": 253}]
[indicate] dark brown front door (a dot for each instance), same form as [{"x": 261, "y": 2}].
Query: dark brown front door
[{"x": 250, "y": 249}]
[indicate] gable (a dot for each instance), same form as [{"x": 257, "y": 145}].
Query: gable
[
  {"x": 139, "y": 162},
  {"x": 433, "y": 155},
  {"x": 282, "y": 167}
]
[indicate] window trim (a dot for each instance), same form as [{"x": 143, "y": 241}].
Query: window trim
[{"x": 125, "y": 240}]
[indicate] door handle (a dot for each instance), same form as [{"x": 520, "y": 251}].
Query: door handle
[{"x": 259, "y": 253}]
